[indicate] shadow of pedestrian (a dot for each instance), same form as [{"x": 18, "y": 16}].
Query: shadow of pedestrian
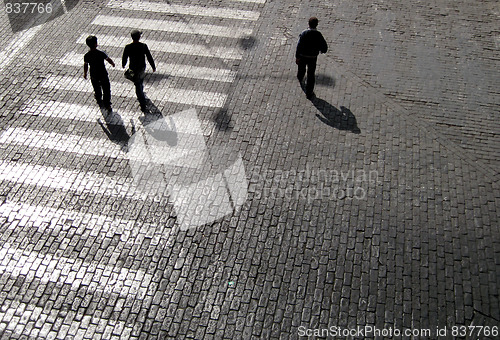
[
  {"x": 342, "y": 119},
  {"x": 325, "y": 80},
  {"x": 152, "y": 77},
  {"x": 247, "y": 42},
  {"x": 222, "y": 120},
  {"x": 159, "y": 127},
  {"x": 114, "y": 127}
]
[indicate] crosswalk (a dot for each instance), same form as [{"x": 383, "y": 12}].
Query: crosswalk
[
  {"x": 172, "y": 47},
  {"x": 169, "y": 8},
  {"x": 166, "y": 94},
  {"x": 175, "y": 70},
  {"x": 173, "y": 27},
  {"x": 200, "y": 86}
]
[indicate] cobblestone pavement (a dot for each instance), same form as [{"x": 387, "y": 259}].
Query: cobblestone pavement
[{"x": 376, "y": 204}]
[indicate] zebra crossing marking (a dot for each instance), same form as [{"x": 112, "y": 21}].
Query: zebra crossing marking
[
  {"x": 172, "y": 26},
  {"x": 70, "y": 328},
  {"x": 168, "y": 8},
  {"x": 18, "y": 42},
  {"x": 47, "y": 268},
  {"x": 52, "y": 268},
  {"x": 46, "y": 218},
  {"x": 198, "y": 50},
  {"x": 176, "y": 70},
  {"x": 164, "y": 94},
  {"x": 189, "y": 146},
  {"x": 38, "y": 215},
  {"x": 60, "y": 142},
  {"x": 85, "y": 113},
  {"x": 59, "y": 178}
]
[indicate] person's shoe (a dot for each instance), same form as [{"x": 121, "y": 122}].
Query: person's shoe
[
  {"x": 311, "y": 96},
  {"x": 108, "y": 107}
]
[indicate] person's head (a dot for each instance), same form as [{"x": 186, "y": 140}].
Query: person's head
[
  {"x": 136, "y": 35},
  {"x": 313, "y": 22},
  {"x": 91, "y": 41}
]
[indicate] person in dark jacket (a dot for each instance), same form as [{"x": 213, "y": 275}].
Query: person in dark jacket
[
  {"x": 98, "y": 74},
  {"x": 136, "y": 52},
  {"x": 311, "y": 43}
]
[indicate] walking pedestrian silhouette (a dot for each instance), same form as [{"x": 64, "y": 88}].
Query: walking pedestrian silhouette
[
  {"x": 136, "y": 52},
  {"x": 98, "y": 73},
  {"x": 311, "y": 44}
]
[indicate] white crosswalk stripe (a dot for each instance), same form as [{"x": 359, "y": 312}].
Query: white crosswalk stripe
[
  {"x": 72, "y": 328},
  {"x": 186, "y": 151},
  {"x": 97, "y": 278},
  {"x": 94, "y": 183},
  {"x": 84, "y": 113},
  {"x": 172, "y": 26},
  {"x": 170, "y": 47},
  {"x": 168, "y": 8},
  {"x": 59, "y": 178},
  {"x": 60, "y": 142},
  {"x": 176, "y": 70},
  {"x": 46, "y": 219},
  {"x": 51, "y": 269},
  {"x": 191, "y": 145},
  {"x": 173, "y": 95},
  {"x": 20, "y": 40}
]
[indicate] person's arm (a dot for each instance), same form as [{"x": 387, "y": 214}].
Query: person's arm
[
  {"x": 323, "y": 46},
  {"x": 109, "y": 60},
  {"x": 124, "y": 57},
  {"x": 85, "y": 69},
  {"x": 150, "y": 58},
  {"x": 298, "y": 50}
]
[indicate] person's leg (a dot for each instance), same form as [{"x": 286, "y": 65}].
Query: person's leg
[
  {"x": 311, "y": 69},
  {"x": 106, "y": 89},
  {"x": 139, "y": 89},
  {"x": 301, "y": 70},
  {"x": 96, "y": 84}
]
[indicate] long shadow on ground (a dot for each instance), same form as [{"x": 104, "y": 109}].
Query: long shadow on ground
[
  {"x": 158, "y": 126},
  {"x": 342, "y": 119},
  {"x": 114, "y": 127}
]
